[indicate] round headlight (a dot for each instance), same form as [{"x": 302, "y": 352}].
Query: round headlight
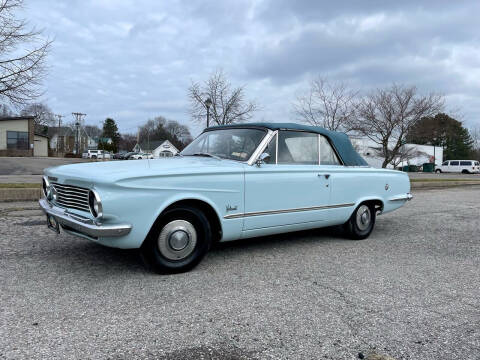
[
  {"x": 95, "y": 204},
  {"x": 46, "y": 187}
]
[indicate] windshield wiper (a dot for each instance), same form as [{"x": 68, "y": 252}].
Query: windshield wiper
[{"x": 207, "y": 155}]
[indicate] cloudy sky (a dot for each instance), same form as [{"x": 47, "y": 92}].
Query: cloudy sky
[{"x": 134, "y": 59}]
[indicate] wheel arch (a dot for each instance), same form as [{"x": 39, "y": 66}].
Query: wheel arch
[
  {"x": 375, "y": 201},
  {"x": 201, "y": 204}
]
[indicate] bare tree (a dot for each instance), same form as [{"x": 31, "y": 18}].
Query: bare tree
[
  {"x": 42, "y": 114},
  {"x": 331, "y": 105},
  {"x": 475, "y": 135},
  {"x": 22, "y": 56},
  {"x": 228, "y": 105},
  {"x": 386, "y": 115}
]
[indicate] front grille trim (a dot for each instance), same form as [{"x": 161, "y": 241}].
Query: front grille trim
[{"x": 70, "y": 196}]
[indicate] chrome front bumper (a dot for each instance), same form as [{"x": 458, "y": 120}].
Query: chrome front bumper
[
  {"x": 406, "y": 197},
  {"x": 82, "y": 224}
]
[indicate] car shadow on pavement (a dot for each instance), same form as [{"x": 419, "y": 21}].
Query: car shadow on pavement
[
  {"x": 327, "y": 234},
  {"x": 78, "y": 254}
]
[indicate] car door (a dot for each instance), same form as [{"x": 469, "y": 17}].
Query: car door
[{"x": 289, "y": 188}]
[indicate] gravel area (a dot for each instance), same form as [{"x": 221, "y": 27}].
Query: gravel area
[{"x": 410, "y": 291}]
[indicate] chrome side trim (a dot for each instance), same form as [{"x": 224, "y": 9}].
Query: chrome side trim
[
  {"x": 405, "y": 197},
  {"x": 285, "y": 211},
  {"x": 83, "y": 224}
]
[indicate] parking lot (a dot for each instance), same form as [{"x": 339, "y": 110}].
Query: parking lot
[{"x": 410, "y": 291}]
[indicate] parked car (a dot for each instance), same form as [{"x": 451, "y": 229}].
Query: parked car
[
  {"x": 85, "y": 155},
  {"x": 459, "y": 166},
  {"x": 98, "y": 154},
  {"x": 127, "y": 155},
  {"x": 140, "y": 156},
  {"x": 119, "y": 155},
  {"x": 232, "y": 182}
]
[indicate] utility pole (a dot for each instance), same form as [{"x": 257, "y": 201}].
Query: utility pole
[
  {"x": 78, "y": 121},
  {"x": 59, "y": 126}
]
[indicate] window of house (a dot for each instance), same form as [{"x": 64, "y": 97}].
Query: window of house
[
  {"x": 17, "y": 140},
  {"x": 297, "y": 147},
  {"x": 327, "y": 154}
]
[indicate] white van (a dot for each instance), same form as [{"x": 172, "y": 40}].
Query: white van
[{"x": 459, "y": 166}]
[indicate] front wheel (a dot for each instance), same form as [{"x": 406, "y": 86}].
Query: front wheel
[
  {"x": 178, "y": 241},
  {"x": 438, "y": 171},
  {"x": 361, "y": 223}
]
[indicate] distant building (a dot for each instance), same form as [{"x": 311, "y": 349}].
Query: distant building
[
  {"x": 157, "y": 148},
  {"x": 17, "y": 136},
  {"x": 410, "y": 154},
  {"x": 62, "y": 140}
]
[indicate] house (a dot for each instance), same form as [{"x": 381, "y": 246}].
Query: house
[
  {"x": 63, "y": 140},
  {"x": 17, "y": 136},
  {"x": 165, "y": 149},
  {"x": 157, "y": 148}
]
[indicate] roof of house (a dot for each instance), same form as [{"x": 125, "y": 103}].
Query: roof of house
[
  {"x": 6, "y": 118},
  {"x": 62, "y": 131},
  {"x": 42, "y": 135},
  {"x": 339, "y": 140}
]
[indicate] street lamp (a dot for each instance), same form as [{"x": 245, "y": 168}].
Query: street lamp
[{"x": 208, "y": 103}]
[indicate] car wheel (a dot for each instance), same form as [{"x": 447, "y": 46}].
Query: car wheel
[
  {"x": 178, "y": 241},
  {"x": 94, "y": 156},
  {"x": 361, "y": 223},
  {"x": 140, "y": 158},
  {"x": 438, "y": 171},
  {"x": 465, "y": 172}
]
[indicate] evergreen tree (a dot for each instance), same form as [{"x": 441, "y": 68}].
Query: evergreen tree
[
  {"x": 110, "y": 130},
  {"x": 443, "y": 130}
]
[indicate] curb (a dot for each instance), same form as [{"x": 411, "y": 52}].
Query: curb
[{"x": 441, "y": 184}]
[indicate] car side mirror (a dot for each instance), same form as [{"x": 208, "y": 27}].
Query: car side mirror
[{"x": 262, "y": 159}]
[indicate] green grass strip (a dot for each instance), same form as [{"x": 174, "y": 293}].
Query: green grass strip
[{"x": 20, "y": 186}]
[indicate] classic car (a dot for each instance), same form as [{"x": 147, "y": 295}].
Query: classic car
[{"x": 232, "y": 182}]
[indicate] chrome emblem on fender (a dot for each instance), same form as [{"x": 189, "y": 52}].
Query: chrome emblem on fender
[
  {"x": 231, "y": 208},
  {"x": 387, "y": 187}
]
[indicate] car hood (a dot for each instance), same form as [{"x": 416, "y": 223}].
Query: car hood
[{"x": 113, "y": 171}]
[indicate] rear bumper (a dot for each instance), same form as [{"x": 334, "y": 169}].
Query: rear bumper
[
  {"x": 403, "y": 197},
  {"x": 83, "y": 225}
]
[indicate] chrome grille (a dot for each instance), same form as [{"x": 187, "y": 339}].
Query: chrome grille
[{"x": 70, "y": 196}]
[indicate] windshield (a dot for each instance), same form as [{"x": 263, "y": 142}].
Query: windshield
[{"x": 232, "y": 144}]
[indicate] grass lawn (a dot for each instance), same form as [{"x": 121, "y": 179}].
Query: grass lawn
[{"x": 442, "y": 180}]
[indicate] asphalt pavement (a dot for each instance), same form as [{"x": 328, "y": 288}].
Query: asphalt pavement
[{"x": 410, "y": 291}]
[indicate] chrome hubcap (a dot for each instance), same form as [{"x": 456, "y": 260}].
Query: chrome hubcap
[
  {"x": 363, "y": 217},
  {"x": 177, "y": 240}
]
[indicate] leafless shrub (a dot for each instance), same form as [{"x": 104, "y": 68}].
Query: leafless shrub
[{"x": 228, "y": 104}]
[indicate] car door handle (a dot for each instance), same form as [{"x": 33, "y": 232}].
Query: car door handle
[{"x": 326, "y": 175}]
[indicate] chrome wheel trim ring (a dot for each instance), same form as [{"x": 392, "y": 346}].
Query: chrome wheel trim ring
[
  {"x": 364, "y": 217},
  {"x": 177, "y": 240}
]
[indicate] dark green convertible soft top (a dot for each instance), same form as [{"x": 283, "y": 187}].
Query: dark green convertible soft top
[{"x": 339, "y": 140}]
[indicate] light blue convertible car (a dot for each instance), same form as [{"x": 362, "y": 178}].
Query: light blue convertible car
[{"x": 232, "y": 182}]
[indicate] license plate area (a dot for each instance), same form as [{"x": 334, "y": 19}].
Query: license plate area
[{"x": 53, "y": 224}]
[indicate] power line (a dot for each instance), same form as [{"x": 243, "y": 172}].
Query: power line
[{"x": 78, "y": 120}]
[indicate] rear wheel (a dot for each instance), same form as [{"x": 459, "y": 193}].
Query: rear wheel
[
  {"x": 361, "y": 223},
  {"x": 465, "y": 172},
  {"x": 178, "y": 241}
]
